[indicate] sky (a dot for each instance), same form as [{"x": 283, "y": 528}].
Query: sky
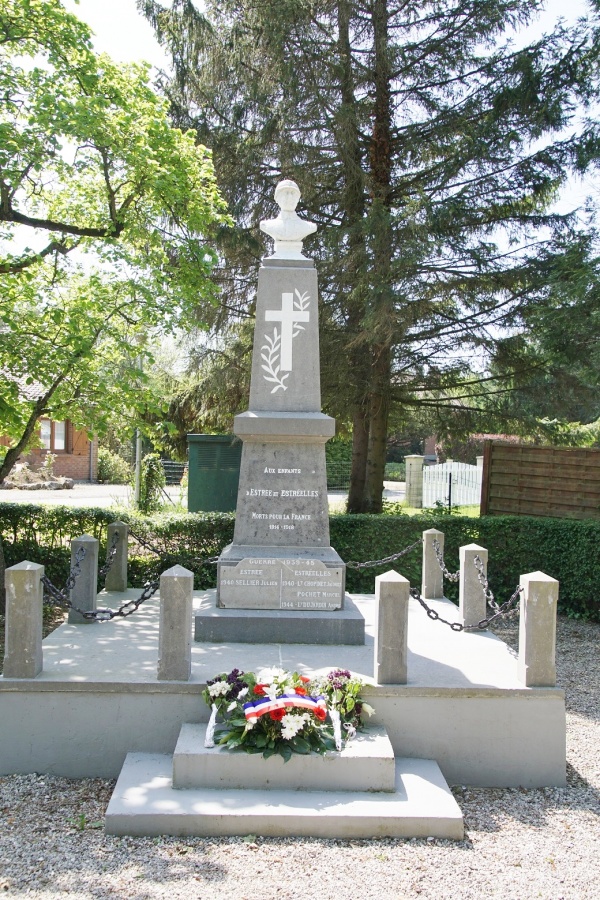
[{"x": 122, "y": 31}]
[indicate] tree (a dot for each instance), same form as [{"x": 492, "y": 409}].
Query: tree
[
  {"x": 118, "y": 206},
  {"x": 429, "y": 150}
]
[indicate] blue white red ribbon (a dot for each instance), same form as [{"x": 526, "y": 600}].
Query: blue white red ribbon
[{"x": 257, "y": 708}]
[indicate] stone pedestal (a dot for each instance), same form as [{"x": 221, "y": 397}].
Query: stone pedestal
[
  {"x": 24, "y": 619},
  {"x": 84, "y": 592},
  {"x": 471, "y": 596},
  {"x": 116, "y": 577}
]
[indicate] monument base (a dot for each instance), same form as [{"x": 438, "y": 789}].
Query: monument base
[
  {"x": 298, "y": 579},
  {"x": 214, "y": 625}
]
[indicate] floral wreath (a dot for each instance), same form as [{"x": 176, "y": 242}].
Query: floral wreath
[{"x": 278, "y": 712}]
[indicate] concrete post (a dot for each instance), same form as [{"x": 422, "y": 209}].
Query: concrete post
[
  {"x": 116, "y": 578},
  {"x": 392, "y": 592},
  {"x": 414, "y": 481},
  {"x": 479, "y": 462},
  {"x": 23, "y": 637},
  {"x": 432, "y": 584},
  {"x": 537, "y": 630},
  {"x": 85, "y": 590},
  {"x": 175, "y": 630},
  {"x": 471, "y": 597}
]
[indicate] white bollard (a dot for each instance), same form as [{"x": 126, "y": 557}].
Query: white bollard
[
  {"x": 432, "y": 584},
  {"x": 84, "y": 592},
  {"x": 175, "y": 629},
  {"x": 471, "y": 596},
  {"x": 24, "y": 616},
  {"x": 392, "y": 593},
  {"x": 537, "y": 630},
  {"x": 414, "y": 481},
  {"x": 116, "y": 577}
]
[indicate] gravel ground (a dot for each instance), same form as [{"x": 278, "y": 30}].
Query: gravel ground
[{"x": 520, "y": 843}]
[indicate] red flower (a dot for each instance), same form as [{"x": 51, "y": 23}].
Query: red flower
[
  {"x": 304, "y": 679},
  {"x": 301, "y": 691},
  {"x": 320, "y": 713},
  {"x": 277, "y": 714},
  {"x": 259, "y": 690}
]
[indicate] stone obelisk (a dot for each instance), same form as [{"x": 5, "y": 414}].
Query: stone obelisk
[{"x": 281, "y": 558}]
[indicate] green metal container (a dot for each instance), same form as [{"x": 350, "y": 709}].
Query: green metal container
[{"x": 214, "y": 472}]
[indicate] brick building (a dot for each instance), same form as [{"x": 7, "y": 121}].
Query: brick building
[{"x": 76, "y": 456}]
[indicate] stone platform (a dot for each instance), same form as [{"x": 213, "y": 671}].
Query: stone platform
[
  {"x": 146, "y": 803},
  {"x": 98, "y": 698},
  {"x": 364, "y": 764},
  {"x": 216, "y": 625}
]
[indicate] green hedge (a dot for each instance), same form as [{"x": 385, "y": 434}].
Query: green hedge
[{"x": 565, "y": 549}]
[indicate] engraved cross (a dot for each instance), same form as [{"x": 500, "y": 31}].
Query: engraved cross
[{"x": 288, "y": 316}]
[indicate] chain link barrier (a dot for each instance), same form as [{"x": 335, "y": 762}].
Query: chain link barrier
[
  {"x": 382, "y": 562},
  {"x": 500, "y": 612},
  {"x": 60, "y": 598},
  {"x": 450, "y": 576},
  {"x": 110, "y": 558},
  {"x": 506, "y": 609},
  {"x": 489, "y": 597}
]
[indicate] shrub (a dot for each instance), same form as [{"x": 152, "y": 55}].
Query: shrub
[
  {"x": 152, "y": 483},
  {"x": 563, "y": 548},
  {"x": 112, "y": 468}
]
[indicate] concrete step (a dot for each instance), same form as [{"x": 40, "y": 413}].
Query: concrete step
[
  {"x": 145, "y": 802},
  {"x": 365, "y": 764}
]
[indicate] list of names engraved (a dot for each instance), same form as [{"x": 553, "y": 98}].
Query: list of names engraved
[{"x": 293, "y": 583}]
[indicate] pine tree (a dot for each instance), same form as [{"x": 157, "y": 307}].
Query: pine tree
[{"x": 429, "y": 151}]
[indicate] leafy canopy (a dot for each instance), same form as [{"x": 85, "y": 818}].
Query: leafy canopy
[{"x": 106, "y": 213}]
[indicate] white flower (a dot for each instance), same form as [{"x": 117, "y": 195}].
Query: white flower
[
  {"x": 271, "y": 691},
  {"x": 250, "y": 726},
  {"x": 231, "y": 706},
  {"x": 269, "y": 675},
  {"x": 219, "y": 689},
  {"x": 243, "y": 693},
  {"x": 367, "y": 709},
  {"x": 292, "y": 723}
]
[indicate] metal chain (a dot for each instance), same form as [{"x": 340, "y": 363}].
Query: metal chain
[
  {"x": 126, "y": 609},
  {"x": 110, "y": 558},
  {"x": 451, "y": 576},
  {"x": 382, "y": 562},
  {"x": 489, "y": 597},
  {"x": 61, "y": 598},
  {"x": 504, "y": 610}
]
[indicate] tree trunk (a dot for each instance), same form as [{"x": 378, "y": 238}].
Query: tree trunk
[
  {"x": 360, "y": 450},
  {"x": 382, "y": 293},
  {"x": 378, "y": 426},
  {"x": 353, "y": 200}
]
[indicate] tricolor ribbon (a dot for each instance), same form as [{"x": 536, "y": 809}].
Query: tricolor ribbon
[{"x": 257, "y": 708}]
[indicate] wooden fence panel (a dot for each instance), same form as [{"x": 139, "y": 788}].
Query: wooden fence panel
[{"x": 520, "y": 479}]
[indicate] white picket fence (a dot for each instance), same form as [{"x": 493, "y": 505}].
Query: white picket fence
[{"x": 451, "y": 482}]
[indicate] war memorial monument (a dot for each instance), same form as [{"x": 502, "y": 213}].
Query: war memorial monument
[{"x": 281, "y": 560}]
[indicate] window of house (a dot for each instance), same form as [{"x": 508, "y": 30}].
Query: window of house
[{"x": 53, "y": 435}]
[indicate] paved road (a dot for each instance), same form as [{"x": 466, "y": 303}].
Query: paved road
[{"x": 106, "y": 495}]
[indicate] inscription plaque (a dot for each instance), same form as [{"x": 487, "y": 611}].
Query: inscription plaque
[{"x": 287, "y": 583}]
